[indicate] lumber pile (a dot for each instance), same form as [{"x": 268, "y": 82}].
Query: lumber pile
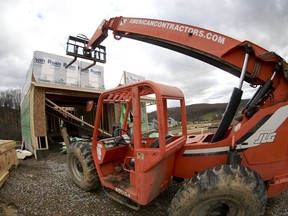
[{"x": 8, "y": 159}]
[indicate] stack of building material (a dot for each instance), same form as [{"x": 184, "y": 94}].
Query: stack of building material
[
  {"x": 51, "y": 69},
  {"x": 8, "y": 159}
]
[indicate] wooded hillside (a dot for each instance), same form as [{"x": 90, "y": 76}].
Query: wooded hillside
[
  {"x": 200, "y": 112},
  {"x": 10, "y": 126}
]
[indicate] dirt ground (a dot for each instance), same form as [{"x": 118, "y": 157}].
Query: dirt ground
[{"x": 44, "y": 187}]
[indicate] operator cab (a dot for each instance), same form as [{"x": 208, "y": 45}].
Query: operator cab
[{"x": 137, "y": 155}]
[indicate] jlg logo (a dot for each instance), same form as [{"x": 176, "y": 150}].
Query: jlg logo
[{"x": 265, "y": 138}]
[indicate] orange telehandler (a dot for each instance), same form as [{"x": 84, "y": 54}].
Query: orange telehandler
[{"x": 230, "y": 172}]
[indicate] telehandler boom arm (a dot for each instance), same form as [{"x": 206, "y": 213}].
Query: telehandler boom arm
[{"x": 216, "y": 49}]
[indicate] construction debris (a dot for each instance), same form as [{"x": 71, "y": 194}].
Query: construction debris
[{"x": 22, "y": 154}]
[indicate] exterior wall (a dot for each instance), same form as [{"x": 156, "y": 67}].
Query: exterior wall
[
  {"x": 26, "y": 123},
  {"x": 51, "y": 69},
  {"x": 92, "y": 77},
  {"x": 39, "y": 112}
]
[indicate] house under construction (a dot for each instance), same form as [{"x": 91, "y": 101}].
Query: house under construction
[{"x": 55, "y": 97}]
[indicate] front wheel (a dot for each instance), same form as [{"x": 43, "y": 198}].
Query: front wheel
[
  {"x": 224, "y": 190},
  {"x": 81, "y": 166}
]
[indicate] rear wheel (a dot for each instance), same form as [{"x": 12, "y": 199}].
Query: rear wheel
[
  {"x": 224, "y": 190},
  {"x": 81, "y": 166}
]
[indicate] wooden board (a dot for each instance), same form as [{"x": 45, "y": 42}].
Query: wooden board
[
  {"x": 3, "y": 177},
  {"x": 8, "y": 159}
]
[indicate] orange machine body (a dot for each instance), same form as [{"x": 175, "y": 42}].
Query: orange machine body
[{"x": 141, "y": 171}]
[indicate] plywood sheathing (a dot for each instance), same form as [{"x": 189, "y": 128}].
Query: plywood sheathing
[{"x": 39, "y": 112}]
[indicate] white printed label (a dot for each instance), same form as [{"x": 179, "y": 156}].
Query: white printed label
[{"x": 99, "y": 153}]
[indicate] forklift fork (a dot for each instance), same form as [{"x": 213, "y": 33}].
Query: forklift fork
[{"x": 77, "y": 47}]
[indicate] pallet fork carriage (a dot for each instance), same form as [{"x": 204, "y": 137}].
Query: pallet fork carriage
[
  {"x": 77, "y": 47},
  {"x": 229, "y": 172}
]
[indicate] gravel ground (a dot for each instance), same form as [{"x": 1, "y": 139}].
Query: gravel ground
[{"x": 44, "y": 187}]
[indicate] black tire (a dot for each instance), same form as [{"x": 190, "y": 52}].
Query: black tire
[
  {"x": 222, "y": 190},
  {"x": 81, "y": 166}
]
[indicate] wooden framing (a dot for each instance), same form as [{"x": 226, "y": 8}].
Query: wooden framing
[{"x": 47, "y": 106}]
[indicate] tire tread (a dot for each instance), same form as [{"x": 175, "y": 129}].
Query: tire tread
[
  {"x": 209, "y": 181},
  {"x": 83, "y": 151}
]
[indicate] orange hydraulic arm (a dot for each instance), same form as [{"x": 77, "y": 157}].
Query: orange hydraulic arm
[
  {"x": 246, "y": 60},
  {"x": 216, "y": 49}
]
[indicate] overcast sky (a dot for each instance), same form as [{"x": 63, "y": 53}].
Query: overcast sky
[{"x": 29, "y": 25}]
